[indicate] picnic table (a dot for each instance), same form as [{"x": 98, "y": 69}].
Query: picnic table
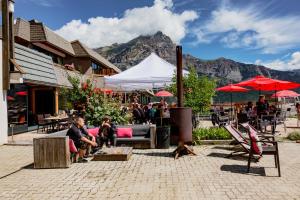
[{"x": 56, "y": 119}]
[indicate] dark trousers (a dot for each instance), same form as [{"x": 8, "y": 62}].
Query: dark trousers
[{"x": 107, "y": 139}]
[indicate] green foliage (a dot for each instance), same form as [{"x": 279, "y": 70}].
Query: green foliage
[
  {"x": 214, "y": 133},
  {"x": 198, "y": 91},
  {"x": 96, "y": 110},
  {"x": 294, "y": 136},
  {"x": 93, "y": 102}
]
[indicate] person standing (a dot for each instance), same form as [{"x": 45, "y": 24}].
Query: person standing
[
  {"x": 261, "y": 106},
  {"x": 298, "y": 113}
]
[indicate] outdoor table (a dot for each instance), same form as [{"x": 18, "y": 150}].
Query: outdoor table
[
  {"x": 55, "y": 119},
  {"x": 271, "y": 118}
]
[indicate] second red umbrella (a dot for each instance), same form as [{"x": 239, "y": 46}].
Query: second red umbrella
[
  {"x": 163, "y": 93},
  {"x": 231, "y": 88}
]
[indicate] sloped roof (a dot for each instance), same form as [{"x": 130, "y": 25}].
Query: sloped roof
[
  {"x": 34, "y": 31},
  {"x": 22, "y": 29},
  {"x": 40, "y": 33},
  {"x": 82, "y": 50}
]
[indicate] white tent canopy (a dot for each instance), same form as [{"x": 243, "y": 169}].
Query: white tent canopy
[{"x": 152, "y": 72}]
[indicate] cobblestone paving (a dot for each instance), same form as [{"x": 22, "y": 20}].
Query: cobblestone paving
[
  {"x": 13, "y": 158},
  {"x": 154, "y": 174}
]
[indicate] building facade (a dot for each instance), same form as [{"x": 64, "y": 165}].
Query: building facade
[{"x": 43, "y": 61}]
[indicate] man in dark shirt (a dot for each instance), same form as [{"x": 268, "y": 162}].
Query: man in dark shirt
[
  {"x": 261, "y": 106},
  {"x": 80, "y": 137}
]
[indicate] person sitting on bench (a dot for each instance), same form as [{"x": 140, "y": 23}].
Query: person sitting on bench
[
  {"x": 81, "y": 139},
  {"x": 106, "y": 132}
]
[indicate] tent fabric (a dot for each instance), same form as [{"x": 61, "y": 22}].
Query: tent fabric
[{"x": 152, "y": 72}]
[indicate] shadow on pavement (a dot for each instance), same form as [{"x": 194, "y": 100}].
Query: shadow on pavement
[
  {"x": 240, "y": 157},
  {"x": 30, "y": 166},
  {"x": 156, "y": 154},
  {"x": 242, "y": 169},
  {"x": 228, "y": 148}
]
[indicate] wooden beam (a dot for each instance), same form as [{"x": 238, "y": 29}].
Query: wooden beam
[
  {"x": 56, "y": 100},
  {"x": 47, "y": 47},
  {"x": 33, "y": 101},
  {"x": 13, "y": 61},
  {"x": 11, "y": 39},
  {"x": 5, "y": 45}
]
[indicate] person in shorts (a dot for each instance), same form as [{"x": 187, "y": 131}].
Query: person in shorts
[{"x": 80, "y": 138}]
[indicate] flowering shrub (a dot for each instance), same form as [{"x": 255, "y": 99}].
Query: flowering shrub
[{"x": 91, "y": 102}]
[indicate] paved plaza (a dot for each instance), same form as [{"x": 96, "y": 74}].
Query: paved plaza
[{"x": 154, "y": 174}]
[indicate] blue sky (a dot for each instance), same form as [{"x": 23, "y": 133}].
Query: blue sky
[{"x": 254, "y": 31}]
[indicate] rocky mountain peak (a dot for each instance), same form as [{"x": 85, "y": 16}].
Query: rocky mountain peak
[{"x": 225, "y": 70}]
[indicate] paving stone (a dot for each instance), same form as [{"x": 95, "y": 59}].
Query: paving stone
[{"x": 154, "y": 174}]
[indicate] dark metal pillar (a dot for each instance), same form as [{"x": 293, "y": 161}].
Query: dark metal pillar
[{"x": 179, "y": 76}]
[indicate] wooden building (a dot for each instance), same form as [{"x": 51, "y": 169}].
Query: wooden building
[{"x": 43, "y": 62}]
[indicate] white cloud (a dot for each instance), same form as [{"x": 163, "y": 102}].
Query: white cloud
[
  {"x": 291, "y": 63},
  {"x": 45, "y": 3},
  {"x": 249, "y": 27},
  {"x": 101, "y": 31}
]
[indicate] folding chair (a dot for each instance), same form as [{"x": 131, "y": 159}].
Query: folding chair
[
  {"x": 266, "y": 150},
  {"x": 264, "y": 135},
  {"x": 239, "y": 138}
]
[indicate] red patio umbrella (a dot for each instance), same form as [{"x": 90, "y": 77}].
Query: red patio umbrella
[
  {"x": 268, "y": 84},
  {"x": 9, "y": 98},
  {"x": 163, "y": 93},
  {"x": 231, "y": 88},
  {"x": 106, "y": 91},
  {"x": 285, "y": 93},
  {"x": 22, "y": 93}
]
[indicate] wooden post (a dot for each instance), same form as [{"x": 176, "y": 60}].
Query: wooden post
[
  {"x": 5, "y": 45},
  {"x": 179, "y": 76},
  {"x": 33, "y": 101},
  {"x": 56, "y": 100},
  {"x": 11, "y": 40}
]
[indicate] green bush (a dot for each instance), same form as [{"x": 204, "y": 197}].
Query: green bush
[
  {"x": 211, "y": 134},
  {"x": 294, "y": 136}
]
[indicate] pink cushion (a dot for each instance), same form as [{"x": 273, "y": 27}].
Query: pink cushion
[
  {"x": 93, "y": 131},
  {"x": 257, "y": 147},
  {"x": 72, "y": 146},
  {"x": 124, "y": 132}
]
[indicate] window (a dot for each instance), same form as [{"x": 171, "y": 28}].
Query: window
[{"x": 95, "y": 66}]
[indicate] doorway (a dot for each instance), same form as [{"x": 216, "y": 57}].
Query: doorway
[{"x": 44, "y": 102}]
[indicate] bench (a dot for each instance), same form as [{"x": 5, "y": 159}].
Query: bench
[{"x": 144, "y": 136}]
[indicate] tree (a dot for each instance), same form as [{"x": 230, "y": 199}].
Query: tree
[{"x": 198, "y": 91}]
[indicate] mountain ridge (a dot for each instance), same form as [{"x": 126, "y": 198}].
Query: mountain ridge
[{"x": 128, "y": 54}]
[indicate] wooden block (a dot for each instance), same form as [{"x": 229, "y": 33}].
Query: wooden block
[
  {"x": 114, "y": 154},
  {"x": 51, "y": 152}
]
